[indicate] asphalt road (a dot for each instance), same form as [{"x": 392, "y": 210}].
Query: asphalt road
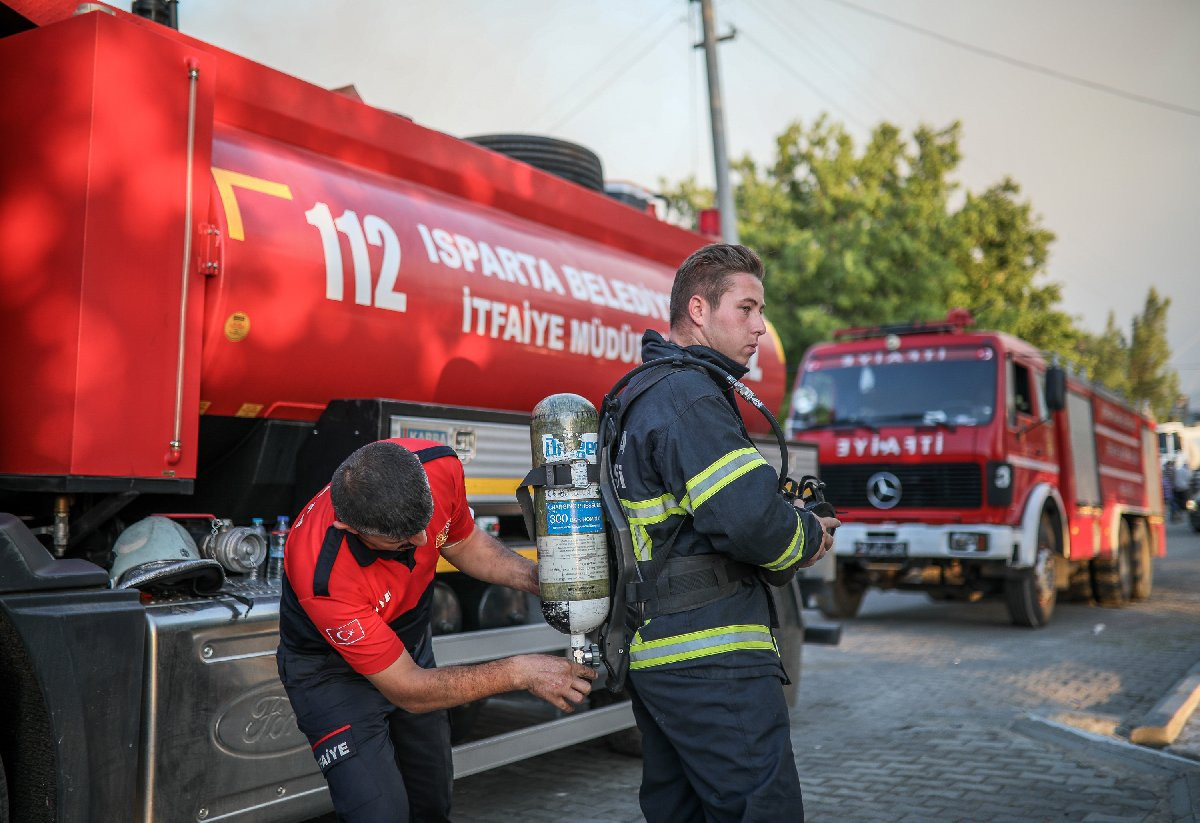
[{"x": 942, "y": 711}]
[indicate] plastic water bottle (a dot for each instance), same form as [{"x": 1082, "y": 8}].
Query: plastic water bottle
[
  {"x": 275, "y": 553},
  {"x": 256, "y": 523}
]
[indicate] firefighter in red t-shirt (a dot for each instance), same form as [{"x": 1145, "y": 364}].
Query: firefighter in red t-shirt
[{"x": 355, "y": 651}]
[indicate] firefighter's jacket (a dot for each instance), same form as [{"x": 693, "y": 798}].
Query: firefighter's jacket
[{"x": 688, "y": 469}]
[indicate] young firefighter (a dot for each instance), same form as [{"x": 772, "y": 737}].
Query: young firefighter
[
  {"x": 706, "y": 682},
  {"x": 355, "y": 646}
]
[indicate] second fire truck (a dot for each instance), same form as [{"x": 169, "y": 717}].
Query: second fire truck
[{"x": 965, "y": 465}]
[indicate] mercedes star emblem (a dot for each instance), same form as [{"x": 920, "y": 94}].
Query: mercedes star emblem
[{"x": 883, "y": 490}]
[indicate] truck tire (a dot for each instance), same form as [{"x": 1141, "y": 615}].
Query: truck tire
[
  {"x": 1143, "y": 561},
  {"x": 841, "y": 597},
  {"x": 1112, "y": 576},
  {"x": 1031, "y": 593},
  {"x": 569, "y": 161}
]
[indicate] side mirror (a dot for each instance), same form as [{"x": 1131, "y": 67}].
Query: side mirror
[{"x": 1056, "y": 388}]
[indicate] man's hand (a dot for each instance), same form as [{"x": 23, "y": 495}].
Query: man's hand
[
  {"x": 828, "y": 524},
  {"x": 558, "y": 681}
]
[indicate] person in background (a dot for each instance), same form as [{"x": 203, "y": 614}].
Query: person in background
[
  {"x": 1181, "y": 484},
  {"x": 1168, "y": 490}
]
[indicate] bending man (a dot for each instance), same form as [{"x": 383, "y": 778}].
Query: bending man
[{"x": 355, "y": 651}]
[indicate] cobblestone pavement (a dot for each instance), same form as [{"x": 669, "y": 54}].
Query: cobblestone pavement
[{"x": 935, "y": 711}]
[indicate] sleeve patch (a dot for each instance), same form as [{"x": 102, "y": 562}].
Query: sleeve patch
[{"x": 347, "y": 634}]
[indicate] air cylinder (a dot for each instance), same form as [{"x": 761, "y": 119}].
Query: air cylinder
[{"x": 571, "y": 545}]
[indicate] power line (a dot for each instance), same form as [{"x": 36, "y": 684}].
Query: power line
[
  {"x": 800, "y": 76},
  {"x": 610, "y": 56},
  {"x": 817, "y": 50},
  {"x": 588, "y": 99},
  {"x": 882, "y": 81},
  {"x": 1024, "y": 64}
]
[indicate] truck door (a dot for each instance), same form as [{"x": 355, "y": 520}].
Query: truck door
[{"x": 1029, "y": 438}]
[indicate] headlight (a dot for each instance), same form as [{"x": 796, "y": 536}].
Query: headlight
[{"x": 968, "y": 542}]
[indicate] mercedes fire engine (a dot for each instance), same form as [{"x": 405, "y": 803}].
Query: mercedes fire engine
[
  {"x": 219, "y": 280},
  {"x": 963, "y": 464}
]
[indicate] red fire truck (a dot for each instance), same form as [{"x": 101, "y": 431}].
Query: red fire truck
[
  {"x": 965, "y": 466},
  {"x": 218, "y": 281}
]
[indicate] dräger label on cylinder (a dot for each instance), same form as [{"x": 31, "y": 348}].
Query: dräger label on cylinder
[{"x": 573, "y": 517}]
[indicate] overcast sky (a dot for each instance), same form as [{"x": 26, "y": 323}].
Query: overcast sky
[{"x": 1092, "y": 106}]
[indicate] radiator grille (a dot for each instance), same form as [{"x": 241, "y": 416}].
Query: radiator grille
[{"x": 927, "y": 485}]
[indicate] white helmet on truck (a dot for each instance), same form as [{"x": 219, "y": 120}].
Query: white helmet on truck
[{"x": 158, "y": 553}]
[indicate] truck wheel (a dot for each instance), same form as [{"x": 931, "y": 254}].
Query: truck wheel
[
  {"x": 1143, "y": 561},
  {"x": 1112, "y": 577},
  {"x": 1079, "y": 587},
  {"x": 1032, "y": 593},
  {"x": 841, "y": 597}
]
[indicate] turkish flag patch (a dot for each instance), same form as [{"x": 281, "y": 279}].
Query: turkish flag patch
[{"x": 347, "y": 634}]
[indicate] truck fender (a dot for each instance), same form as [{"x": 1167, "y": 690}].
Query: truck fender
[
  {"x": 1035, "y": 503},
  {"x": 1114, "y": 525}
]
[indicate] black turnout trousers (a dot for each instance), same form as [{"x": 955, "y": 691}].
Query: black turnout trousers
[
  {"x": 715, "y": 749},
  {"x": 383, "y": 764}
]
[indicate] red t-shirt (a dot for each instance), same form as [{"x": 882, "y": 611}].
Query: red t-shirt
[{"x": 370, "y": 589}]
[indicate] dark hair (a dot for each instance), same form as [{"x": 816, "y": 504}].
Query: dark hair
[
  {"x": 381, "y": 489},
  {"x": 707, "y": 273}
]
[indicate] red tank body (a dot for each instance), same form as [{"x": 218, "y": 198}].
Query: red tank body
[{"x": 333, "y": 250}]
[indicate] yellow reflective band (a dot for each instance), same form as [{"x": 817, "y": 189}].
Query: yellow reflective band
[
  {"x": 793, "y": 552},
  {"x": 642, "y": 544},
  {"x": 721, "y": 473},
  {"x": 655, "y": 510},
  {"x": 642, "y": 513},
  {"x": 699, "y": 644}
]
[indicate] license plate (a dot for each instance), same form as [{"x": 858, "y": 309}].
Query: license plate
[{"x": 880, "y": 548}]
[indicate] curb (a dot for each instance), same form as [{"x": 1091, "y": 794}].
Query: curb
[
  {"x": 1099, "y": 747},
  {"x": 1162, "y": 724}
]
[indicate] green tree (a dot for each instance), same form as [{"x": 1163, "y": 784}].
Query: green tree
[
  {"x": 1002, "y": 256},
  {"x": 1150, "y": 379},
  {"x": 1105, "y": 357},
  {"x": 867, "y": 236},
  {"x": 684, "y": 201},
  {"x": 851, "y": 238}
]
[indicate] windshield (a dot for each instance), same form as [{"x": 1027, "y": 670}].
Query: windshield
[{"x": 951, "y": 385}]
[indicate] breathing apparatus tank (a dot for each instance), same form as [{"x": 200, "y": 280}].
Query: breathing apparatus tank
[{"x": 568, "y": 524}]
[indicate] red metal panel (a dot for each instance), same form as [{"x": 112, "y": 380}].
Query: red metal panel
[
  {"x": 1119, "y": 453},
  {"x": 497, "y": 311},
  {"x": 92, "y": 215}
]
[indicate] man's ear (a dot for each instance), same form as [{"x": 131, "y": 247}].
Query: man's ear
[
  {"x": 697, "y": 309},
  {"x": 338, "y": 524}
]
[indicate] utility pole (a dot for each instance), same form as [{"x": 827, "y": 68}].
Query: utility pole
[{"x": 729, "y": 232}]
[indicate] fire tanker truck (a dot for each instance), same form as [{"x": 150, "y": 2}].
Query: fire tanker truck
[
  {"x": 218, "y": 281},
  {"x": 964, "y": 465}
]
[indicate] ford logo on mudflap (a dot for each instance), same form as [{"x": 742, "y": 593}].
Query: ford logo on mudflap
[
  {"x": 883, "y": 490},
  {"x": 259, "y": 723}
]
